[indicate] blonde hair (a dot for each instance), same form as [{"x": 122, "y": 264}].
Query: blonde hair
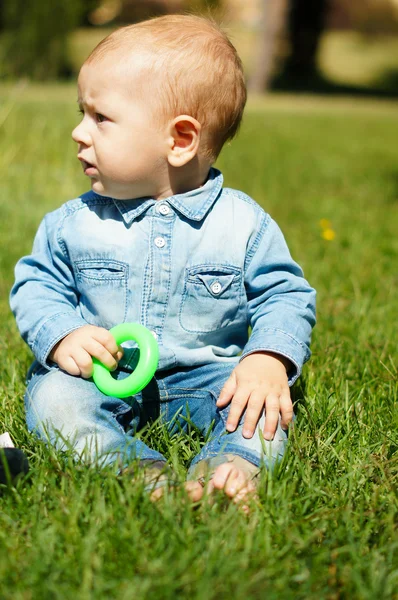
[{"x": 195, "y": 68}]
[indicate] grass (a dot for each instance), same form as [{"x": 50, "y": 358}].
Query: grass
[{"x": 326, "y": 523}]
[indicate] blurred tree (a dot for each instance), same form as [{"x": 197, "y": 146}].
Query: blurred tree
[
  {"x": 305, "y": 25},
  {"x": 88, "y": 7},
  {"x": 370, "y": 17},
  {"x": 34, "y": 37},
  {"x": 272, "y": 23},
  {"x": 133, "y": 11},
  {"x": 302, "y": 22},
  {"x": 206, "y": 7}
]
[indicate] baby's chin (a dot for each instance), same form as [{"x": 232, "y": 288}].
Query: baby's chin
[
  {"x": 111, "y": 191},
  {"x": 108, "y": 191}
]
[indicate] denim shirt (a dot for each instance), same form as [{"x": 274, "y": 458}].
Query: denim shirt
[{"x": 198, "y": 269}]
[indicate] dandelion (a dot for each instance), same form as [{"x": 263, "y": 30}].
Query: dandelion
[
  {"x": 328, "y": 232},
  {"x": 325, "y": 224}
]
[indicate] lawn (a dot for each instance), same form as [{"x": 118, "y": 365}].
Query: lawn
[{"x": 326, "y": 523}]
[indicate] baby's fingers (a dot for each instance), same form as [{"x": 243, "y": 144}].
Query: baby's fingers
[
  {"x": 286, "y": 410},
  {"x": 253, "y": 412},
  {"x": 238, "y": 405},
  {"x": 84, "y": 362},
  {"x": 106, "y": 340},
  {"x": 272, "y": 408},
  {"x": 227, "y": 391},
  {"x": 69, "y": 365},
  {"x": 101, "y": 353}
]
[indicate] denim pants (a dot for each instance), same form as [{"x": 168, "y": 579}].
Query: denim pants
[{"x": 69, "y": 411}]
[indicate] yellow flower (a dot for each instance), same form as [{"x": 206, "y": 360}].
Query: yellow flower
[
  {"x": 328, "y": 234},
  {"x": 325, "y": 224}
]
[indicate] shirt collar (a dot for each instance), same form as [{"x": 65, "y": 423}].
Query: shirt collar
[{"x": 194, "y": 204}]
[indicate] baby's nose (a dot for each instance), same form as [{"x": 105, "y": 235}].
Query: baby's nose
[{"x": 80, "y": 135}]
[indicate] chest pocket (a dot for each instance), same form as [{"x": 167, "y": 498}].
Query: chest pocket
[
  {"x": 211, "y": 298},
  {"x": 102, "y": 285}
]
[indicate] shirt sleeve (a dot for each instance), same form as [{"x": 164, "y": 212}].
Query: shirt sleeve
[
  {"x": 43, "y": 297},
  {"x": 281, "y": 303}
]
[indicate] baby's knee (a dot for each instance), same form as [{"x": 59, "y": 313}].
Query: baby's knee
[{"x": 56, "y": 402}]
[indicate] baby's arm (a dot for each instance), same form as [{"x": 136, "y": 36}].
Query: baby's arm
[
  {"x": 281, "y": 311},
  {"x": 44, "y": 300}
]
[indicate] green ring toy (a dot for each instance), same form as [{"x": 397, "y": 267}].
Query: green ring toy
[{"x": 143, "y": 373}]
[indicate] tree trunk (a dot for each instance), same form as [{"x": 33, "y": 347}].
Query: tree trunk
[
  {"x": 272, "y": 24},
  {"x": 306, "y": 22}
]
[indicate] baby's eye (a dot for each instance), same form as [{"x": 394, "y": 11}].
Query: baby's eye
[{"x": 100, "y": 118}]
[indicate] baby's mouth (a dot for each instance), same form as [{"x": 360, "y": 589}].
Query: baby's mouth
[
  {"x": 87, "y": 165},
  {"x": 88, "y": 168}
]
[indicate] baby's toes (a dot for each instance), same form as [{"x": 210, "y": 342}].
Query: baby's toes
[
  {"x": 230, "y": 479},
  {"x": 246, "y": 492},
  {"x": 194, "y": 490},
  {"x": 236, "y": 485},
  {"x": 156, "y": 495},
  {"x": 221, "y": 475}
]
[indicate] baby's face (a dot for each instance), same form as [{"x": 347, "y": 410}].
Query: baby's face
[{"x": 122, "y": 150}]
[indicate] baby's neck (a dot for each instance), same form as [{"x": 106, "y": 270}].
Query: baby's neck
[{"x": 184, "y": 179}]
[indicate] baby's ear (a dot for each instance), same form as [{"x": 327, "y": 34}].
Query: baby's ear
[{"x": 184, "y": 136}]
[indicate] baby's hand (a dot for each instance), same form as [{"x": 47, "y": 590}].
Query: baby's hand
[
  {"x": 258, "y": 382},
  {"x": 73, "y": 353}
]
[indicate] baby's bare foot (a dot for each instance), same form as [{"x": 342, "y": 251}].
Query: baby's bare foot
[
  {"x": 193, "y": 489},
  {"x": 234, "y": 478},
  {"x": 234, "y": 482},
  {"x": 233, "y": 475},
  {"x": 227, "y": 478}
]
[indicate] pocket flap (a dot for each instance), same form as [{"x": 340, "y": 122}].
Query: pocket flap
[{"x": 215, "y": 283}]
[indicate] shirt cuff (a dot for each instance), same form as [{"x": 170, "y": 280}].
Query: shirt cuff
[
  {"x": 52, "y": 331},
  {"x": 279, "y": 342}
]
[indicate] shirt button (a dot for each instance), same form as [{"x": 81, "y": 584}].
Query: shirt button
[
  {"x": 216, "y": 287},
  {"x": 160, "y": 242},
  {"x": 164, "y": 209}
]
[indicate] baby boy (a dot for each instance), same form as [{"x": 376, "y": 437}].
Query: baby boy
[{"x": 158, "y": 240}]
